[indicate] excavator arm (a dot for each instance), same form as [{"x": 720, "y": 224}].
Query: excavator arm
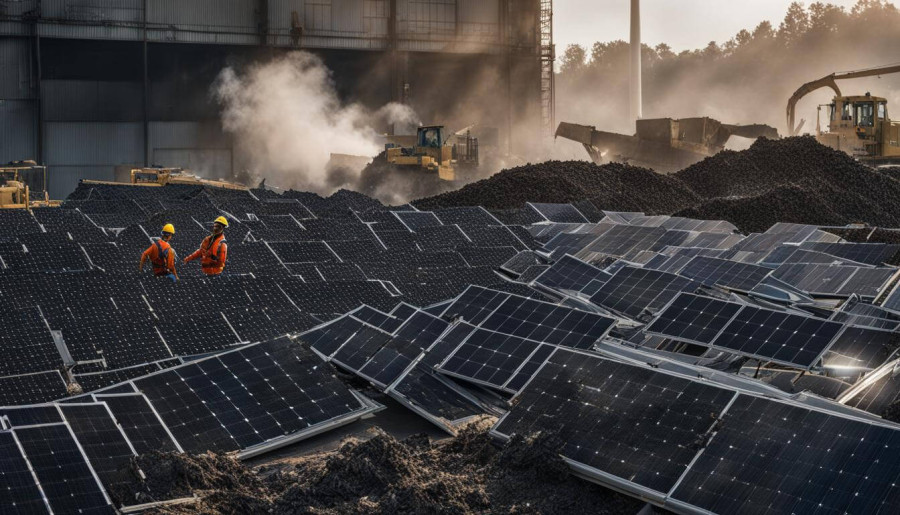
[{"x": 831, "y": 82}]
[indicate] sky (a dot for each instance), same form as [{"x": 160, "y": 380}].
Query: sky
[{"x": 683, "y": 24}]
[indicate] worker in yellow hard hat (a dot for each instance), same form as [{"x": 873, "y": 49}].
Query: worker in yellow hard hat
[
  {"x": 161, "y": 254},
  {"x": 213, "y": 251}
]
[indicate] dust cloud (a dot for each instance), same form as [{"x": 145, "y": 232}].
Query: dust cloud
[
  {"x": 747, "y": 79},
  {"x": 287, "y": 120}
]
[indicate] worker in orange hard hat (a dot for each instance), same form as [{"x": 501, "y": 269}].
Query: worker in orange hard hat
[
  {"x": 213, "y": 251},
  {"x": 161, "y": 255}
]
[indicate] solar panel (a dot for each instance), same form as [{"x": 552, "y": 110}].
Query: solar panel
[
  {"x": 377, "y": 318},
  {"x": 475, "y": 304},
  {"x": 694, "y": 319},
  {"x": 489, "y": 358},
  {"x": 793, "y": 340},
  {"x": 560, "y": 213},
  {"x": 62, "y": 470},
  {"x": 104, "y": 444},
  {"x": 466, "y": 216},
  {"x": 769, "y": 456},
  {"x": 633, "y": 291},
  {"x": 328, "y": 338},
  {"x": 570, "y": 273},
  {"x": 248, "y": 397},
  {"x": 722, "y": 272},
  {"x": 357, "y": 350},
  {"x": 140, "y": 423},
  {"x": 415, "y": 220},
  {"x": 859, "y": 349},
  {"x": 31, "y": 415},
  {"x": 640, "y": 425},
  {"x": 815, "y": 279},
  {"x": 545, "y": 322},
  {"x": 27, "y": 343},
  {"x": 31, "y": 388},
  {"x": 868, "y": 253},
  {"x": 20, "y": 491}
]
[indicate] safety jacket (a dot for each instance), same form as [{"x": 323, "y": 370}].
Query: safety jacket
[
  {"x": 213, "y": 253},
  {"x": 162, "y": 256}
]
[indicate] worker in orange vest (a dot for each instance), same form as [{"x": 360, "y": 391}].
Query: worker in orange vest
[
  {"x": 213, "y": 251},
  {"x": 161, "y": 255}
]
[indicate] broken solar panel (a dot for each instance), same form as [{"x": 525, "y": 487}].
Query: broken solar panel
[
  {"x": 559, "y": 213},
  {"x": 62, "y": 471},
  {"x": 722, "y": 272},
  {"x": 248, "y": 397},
  {"x": 465, "y": 216},
  {"x": 640, "y": 425},
  {"x": 769, "y": 456},
  {"x": 531, "y": 273},
  {"x": 357, "y": 350},
  {"x": 521, "y": 261},
  {"x": 570, "y": 273},
  {"x": 475, "y": 304},
  {"x": 635, "y": 291}
]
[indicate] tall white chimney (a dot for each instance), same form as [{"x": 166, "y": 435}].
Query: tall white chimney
[{"x": 636, "y": 110}]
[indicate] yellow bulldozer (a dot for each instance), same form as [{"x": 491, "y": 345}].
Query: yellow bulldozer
[
  {"x": 663, "y": 144},
  {"x": 162, "y": 176},
  {"x": 433, "y": 152},
  {"x": 23, "y": 186},
  {"x": 858, "y": 124}
]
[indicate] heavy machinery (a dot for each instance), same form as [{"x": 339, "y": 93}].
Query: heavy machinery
[
  {"x": 664, "y": 144},
  {"x": 162, "y": 176},
  {"x": 435, "y": 153},
  {"x": 23, "y": 185},
  {"x": 858, "y": 125}
]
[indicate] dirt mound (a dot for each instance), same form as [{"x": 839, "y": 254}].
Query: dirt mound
[
  {"x": 611, "y": 186},
  {"x": 383, "y": 475},
  {"x": 788, "y": 180},
  {"x": 171, "y": 475}
]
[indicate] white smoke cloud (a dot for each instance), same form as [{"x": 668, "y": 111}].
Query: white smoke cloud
[{"x": 287, "y": 119}]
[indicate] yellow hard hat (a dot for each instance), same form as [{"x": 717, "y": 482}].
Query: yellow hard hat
[
  {"x": 169, "y": 228},
  {"x": 221, "y": 220}
]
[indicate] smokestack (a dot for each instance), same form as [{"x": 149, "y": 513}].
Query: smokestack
[{"x": 636, "y": 111}]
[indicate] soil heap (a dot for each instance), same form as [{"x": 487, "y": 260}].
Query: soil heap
[
  {"x": 789, "y": 180},
  {"x": 383, "y": 475}
]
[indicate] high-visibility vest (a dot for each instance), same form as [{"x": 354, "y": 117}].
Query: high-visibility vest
[
  {"x": 164, "y": 259},
  {"x": 213, "y": 255}
]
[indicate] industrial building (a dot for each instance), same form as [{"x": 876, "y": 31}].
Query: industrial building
[{"x": 91, "y": 86}]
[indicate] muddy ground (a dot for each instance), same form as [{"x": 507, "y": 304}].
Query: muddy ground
[{"x": 466, "y": 474}]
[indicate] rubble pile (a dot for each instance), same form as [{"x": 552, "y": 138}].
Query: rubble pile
[
  {"x": 381, "y": 474},
  {"x": 790, "y": 180}
]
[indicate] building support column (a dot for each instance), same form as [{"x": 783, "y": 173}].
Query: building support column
[
  {"x": 146, "y": 90},
  {"x": 38, "y": 82}
]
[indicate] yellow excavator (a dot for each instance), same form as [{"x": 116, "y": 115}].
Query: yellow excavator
[
  {"x": 433, "y": 152},
  {"x": 23, "y": 186},
  {"x": 858, "y": 124},
  {"x": 162, "y": 176}
]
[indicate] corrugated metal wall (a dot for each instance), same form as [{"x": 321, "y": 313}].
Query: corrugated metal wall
[
  {"x": 89, "y": 150},
  {"x": 199, "y": 146},
  {"x": 82, "y": 100},
  {"x": 425, "y": 25},
  {"x": 18, "y": 108}
]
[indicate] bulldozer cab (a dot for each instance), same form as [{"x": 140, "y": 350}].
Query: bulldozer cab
[
  {"x": 430, "y": 137},
  {"x": 860, "y": 125}
]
